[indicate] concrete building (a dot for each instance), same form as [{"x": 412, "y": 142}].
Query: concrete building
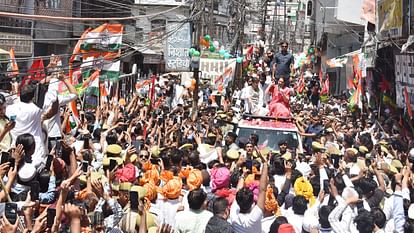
[
  {"x": 283, "y": 20},
  {"x": 337, "y": 28},
  {"x": 151, "y": 28}
]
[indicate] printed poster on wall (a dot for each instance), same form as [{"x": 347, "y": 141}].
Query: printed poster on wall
[
  {"x": 390, "y": 18},
  {"x": 404, "y": 77}
]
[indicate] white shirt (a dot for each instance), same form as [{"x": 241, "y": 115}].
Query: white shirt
[
  {"x": 167, "y": 210},
  {"x": 28, "y": 120},
  {"x": 192, "y": 221},
  {"x": 54, "y": 124},
  {"x": 246, "y": 223},
  {"x": 267, "y": 222},
  {"x": 279, "y": 182},
  {"x": 178, "y": 92},
  {"x": 296, "y": 221}
]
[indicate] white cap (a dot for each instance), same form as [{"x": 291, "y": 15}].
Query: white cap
[
  {"x": 354, "y": 170},
  {"x": 310, "y": 222},
  {"x": 411, "y": 212},
  {"x": 304, "y": 168},
  {"x": 349, "y": 192},
  {"x": 27, "y": 172},
  {"x": 411, "y": 153}
]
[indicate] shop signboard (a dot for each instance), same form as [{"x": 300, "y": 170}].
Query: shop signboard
[
  {"x": 176, "y": 47},
  {"x": 404, "y": 77}
]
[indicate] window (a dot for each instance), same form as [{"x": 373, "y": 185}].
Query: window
[
  {"x": 53, "y": 4},
  {"x": 215, "y": 5},
  {"x": 142, "y": 11},
  {"x": 158, "y": 25},
  {"x": 309, "y": 9}
]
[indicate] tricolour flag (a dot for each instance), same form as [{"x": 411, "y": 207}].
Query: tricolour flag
[
  {"x": 110, "y": 70},
  {"x": 355, "y": 99},
  {"x": 77, "y": 51},
  {"x": 107, "y": 37}
]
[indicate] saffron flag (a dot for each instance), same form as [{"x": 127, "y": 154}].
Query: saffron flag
[{"x": 14, "y": 69}]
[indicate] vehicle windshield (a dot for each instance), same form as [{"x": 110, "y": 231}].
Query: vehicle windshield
[{"x": 271, "y": 137}]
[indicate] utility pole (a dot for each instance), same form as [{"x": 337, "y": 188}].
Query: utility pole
[
  {"x": 210, "y": 23},
  {"x": 284, "y": 20},
  {"x": 239, "y": 46},
  {"x": 264, "y": 19},
  {"x": 199, "y": 5}
]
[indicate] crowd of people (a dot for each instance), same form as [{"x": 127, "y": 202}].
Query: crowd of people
[{"x": 132, "y": 166}]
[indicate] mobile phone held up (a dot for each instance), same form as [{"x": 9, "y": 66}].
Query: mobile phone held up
[
  {"x": 13, "y": 118},
  {"x": 51, "y": 214},
  {"x": 10, "y": 211},
  {"x": 133, "y": 197},
  {"x": 85, "y": 165}
]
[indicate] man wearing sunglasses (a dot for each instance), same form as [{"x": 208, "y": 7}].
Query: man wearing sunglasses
[{"x": 283, "y": 63}]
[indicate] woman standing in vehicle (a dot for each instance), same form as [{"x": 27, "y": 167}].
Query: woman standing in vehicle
[{"x": 279, "y": 105}]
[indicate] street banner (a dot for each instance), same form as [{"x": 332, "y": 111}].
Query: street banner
[
  {"x": 390, "y": 18},
  {"x": 404, "y": 79},
  {"x": 176, "y": 47},
  {"x": 219, "y": 72}
]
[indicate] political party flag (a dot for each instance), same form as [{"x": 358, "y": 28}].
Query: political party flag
[
  {"x": 248, "y": 57},
  {"x": 111, "y": 70},
  {"x": 325, "y": 86},
  {"x": 408, "y": 103},
  {"x": 107, "y": 37},
  {"x": 301, "y": 84},
  {"x": 37, "y": 70},
  {"x": 355, "y": 98},
  {"x": 77, "y": 51}
]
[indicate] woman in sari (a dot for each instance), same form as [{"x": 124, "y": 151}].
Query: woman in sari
[{"x": 279, "y": 105}]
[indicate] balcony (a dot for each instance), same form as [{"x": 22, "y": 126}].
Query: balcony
[{"x": 12, "y": 6}]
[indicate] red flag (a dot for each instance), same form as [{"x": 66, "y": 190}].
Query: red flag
[
  {"x": 320, "y": 76},
  {"x": 248, "y": 57},
  {"x": 301, "y": 85},
  {"x": 13, "y": 64},
  {"x": 384, "y": 84},
  {"x": 36, "y": 72},
  {"x": 407, "y": 103},
  {"x": 325, "y": 86},
  {"x": 152, "y": 93}
]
